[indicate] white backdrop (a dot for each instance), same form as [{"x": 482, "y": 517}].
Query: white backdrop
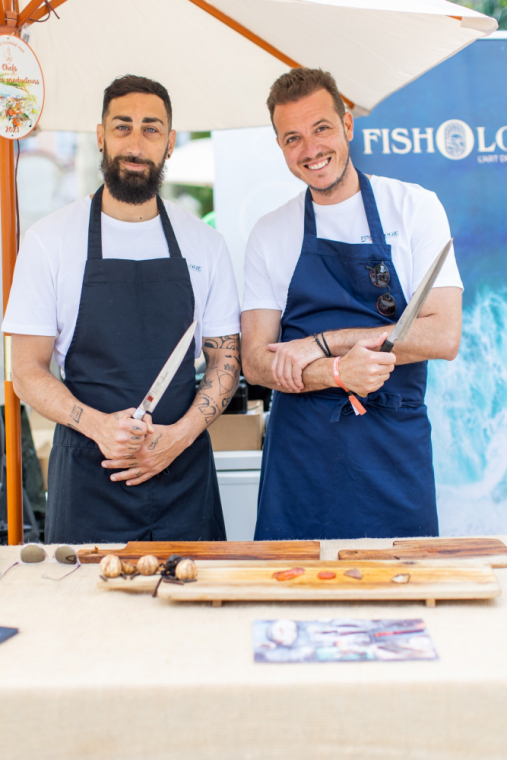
[{"x": 251, "y": 179}]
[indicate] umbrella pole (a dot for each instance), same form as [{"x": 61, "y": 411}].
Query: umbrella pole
[{"x": 12, "y": 406}]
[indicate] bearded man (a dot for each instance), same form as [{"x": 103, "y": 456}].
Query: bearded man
[{"x": 108, "y": 285}]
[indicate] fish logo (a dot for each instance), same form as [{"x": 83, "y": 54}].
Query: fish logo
[{"x": 455, "y": 139}]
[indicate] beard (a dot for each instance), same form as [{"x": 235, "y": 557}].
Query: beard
[
  {"x": 130, "y": 187},
  {"x": 329, "y": 190}
]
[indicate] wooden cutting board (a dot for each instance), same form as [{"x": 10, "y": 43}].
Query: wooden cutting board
[
  {"x": 490, "y": 550},
  {"x": 253, "y": 581},
  {"x": 285, "y": 550}
]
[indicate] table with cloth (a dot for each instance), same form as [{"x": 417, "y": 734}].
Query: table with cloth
[{"x": 109, "y": 675}]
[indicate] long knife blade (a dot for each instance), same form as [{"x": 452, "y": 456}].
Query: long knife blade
[
  {"x": 166, "y": 374},
  {"x": 416, "y": 303}
]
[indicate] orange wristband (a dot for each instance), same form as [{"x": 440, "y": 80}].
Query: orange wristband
[{"x": 358, "y": 407}]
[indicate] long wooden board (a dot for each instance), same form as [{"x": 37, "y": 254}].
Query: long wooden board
[
  {"x": 265, "y": 550},
  {"x": 253, "y": 581},
  {"x": 490, "y": 550}
]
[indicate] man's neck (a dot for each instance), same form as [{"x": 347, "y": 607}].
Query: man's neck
[
  {"x": 127, "y": 212},
  {"x": 348, "y": 187}
]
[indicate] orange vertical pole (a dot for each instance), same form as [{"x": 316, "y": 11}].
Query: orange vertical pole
[{"x": 12, "y": 406}]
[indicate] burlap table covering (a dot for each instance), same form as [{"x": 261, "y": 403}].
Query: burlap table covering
[{"x": 110, "y": 676}]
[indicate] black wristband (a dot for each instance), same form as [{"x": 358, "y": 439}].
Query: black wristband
[
  {"x": 325, "y": 343},
  {"x": 317, "y": 341}
]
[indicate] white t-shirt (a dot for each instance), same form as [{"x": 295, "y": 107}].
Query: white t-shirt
[
  {"x": 414, "y": 222},
  {"x": 46, "y": 290}
]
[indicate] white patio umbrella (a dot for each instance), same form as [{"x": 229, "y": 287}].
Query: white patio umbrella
[{"x": 219, "y": 78}]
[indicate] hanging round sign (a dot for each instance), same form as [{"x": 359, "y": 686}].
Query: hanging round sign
[{"x": 21, "y": 88}]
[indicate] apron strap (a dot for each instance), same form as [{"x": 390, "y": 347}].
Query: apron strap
[
  {"x": 370, "y": 207},
  {"x": 174, "y": 249},
  {"x": 95, "y": 228}
]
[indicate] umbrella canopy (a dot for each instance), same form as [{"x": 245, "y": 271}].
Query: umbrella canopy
[{"x": 219, "y": 78}]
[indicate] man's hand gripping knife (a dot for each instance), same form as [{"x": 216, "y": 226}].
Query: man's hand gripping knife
[
  {"x": 361, "y": 370},
  {"x": 162, "y": 444}
]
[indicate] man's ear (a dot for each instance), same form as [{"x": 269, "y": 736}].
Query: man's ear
[
  {"x": 100, "y": 137},
  {"x": 171, "y": 142},
  {"x": 348, "y": 122}
]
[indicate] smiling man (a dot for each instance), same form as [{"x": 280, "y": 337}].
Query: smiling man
[
  {"x": 108, "y": 285},
  {"x": 326, "y": 277}
]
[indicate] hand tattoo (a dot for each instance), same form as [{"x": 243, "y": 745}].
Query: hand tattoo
[{"x": 154, "y": 443}]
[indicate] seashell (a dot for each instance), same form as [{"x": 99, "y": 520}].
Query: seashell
[
  {"x": 404, "y": 578},
  {"x": 186, "y": 570},
  {"x": 354, "y": 573},
  {"x": 110, "y": 566},
  {"x": 148, "y": 565},
  {"x": 127, "y": 568}
]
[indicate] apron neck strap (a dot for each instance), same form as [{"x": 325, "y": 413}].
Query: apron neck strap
[
  {"x": 95, "y": 228},
  {"x": 172, "y": 243},
  {"x": 310, "y": 225},
  {"x": 370, "y": 207}
]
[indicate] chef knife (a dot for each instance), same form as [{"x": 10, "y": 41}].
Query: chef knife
[
  {"x": 416, "y": 303},
  {"x": 165, "y": 375}
]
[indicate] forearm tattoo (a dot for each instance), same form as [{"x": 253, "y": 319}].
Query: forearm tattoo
[
  {"x": 75, "y": 416},
  {"x": 220, "y": 381}
]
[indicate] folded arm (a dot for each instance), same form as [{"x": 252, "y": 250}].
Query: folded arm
[
  {"x": 435, "y": 334},
  {"x": 362, "y": 369}
]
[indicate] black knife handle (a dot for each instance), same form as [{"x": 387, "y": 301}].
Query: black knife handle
[{"x": 386, "y": 346}]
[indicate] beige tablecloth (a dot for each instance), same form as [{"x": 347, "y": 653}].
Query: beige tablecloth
[{"x": 110, "y": 676}]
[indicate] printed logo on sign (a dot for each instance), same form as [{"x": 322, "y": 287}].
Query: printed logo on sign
[
  {"x": 194, "y": 267},
  {"x": 455, "y": 139}
]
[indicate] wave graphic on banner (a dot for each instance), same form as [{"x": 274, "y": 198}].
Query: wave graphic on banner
[{"x": 467, "y": 404}]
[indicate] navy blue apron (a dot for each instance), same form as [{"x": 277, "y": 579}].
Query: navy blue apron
[
  {"x": 131, "y": 316},
  {"x": 327, "y": 473}
]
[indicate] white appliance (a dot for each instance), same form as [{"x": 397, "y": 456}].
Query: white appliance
[{"x": 238, "y": 479}]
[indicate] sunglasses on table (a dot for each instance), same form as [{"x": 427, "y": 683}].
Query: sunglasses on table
[
  {"x": 31, "y": 553},
  {"x": 64, "y": 554},
  {"x": 380, "y": 277}
]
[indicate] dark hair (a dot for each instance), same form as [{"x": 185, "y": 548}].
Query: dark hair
[
  {"x": 130, "y": 83},
  {"x": 299, "y": 83}
]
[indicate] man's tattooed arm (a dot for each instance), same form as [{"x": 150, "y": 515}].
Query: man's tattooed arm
[{"x": 221, "y": 378}]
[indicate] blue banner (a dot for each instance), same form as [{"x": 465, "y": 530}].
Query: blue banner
[{"x": 447, "y": 131}]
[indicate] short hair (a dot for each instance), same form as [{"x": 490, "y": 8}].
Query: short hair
[
  {"x": 130, "y": 83},
  {"x": 299, "y": 83}
]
